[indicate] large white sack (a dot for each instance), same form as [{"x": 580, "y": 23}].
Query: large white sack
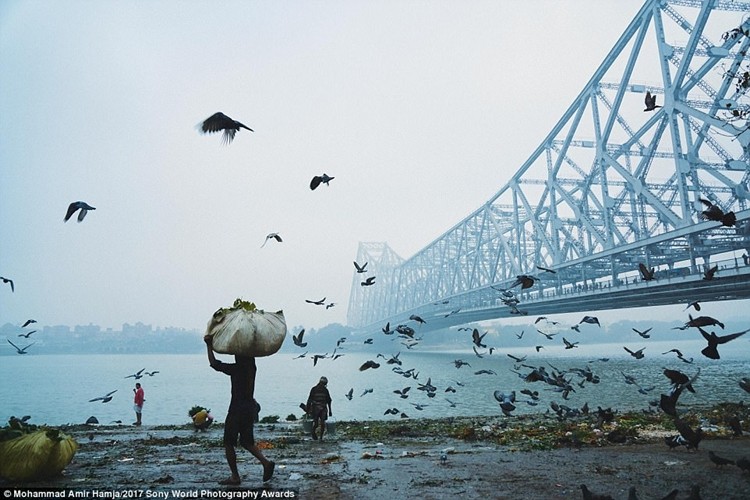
[{"x": 245, "y": 330}]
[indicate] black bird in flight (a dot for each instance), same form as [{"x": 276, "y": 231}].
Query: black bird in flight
[
  {"x": 10, "y": 282},
  {"x": 570, "y": 345},
  {"x": 20, "y": 350},
  {"x": 369, "y": 364},
  {"x": 104, "y": 399},
  {"x": 320, "y": 179},
  {"x": 28, "y": 322},
  {"x": 218, "y": 122},
  {"x": 643, "y": 333},
  {"x": 647, "y": 274},
  {"x": 694, "y": 304},
  {"x": 711, "y": 351},
  {"x": 708, "y": 274},
  {"x": 592, "y": 320},
  {"x": 78, "y": 205},
  {"x": 477, "y": 339},
  {"x": 416, "y": 318},
  {"x": 271, "y": 236},
  {"x": 525, "y": 280},
  {"x": 699, "y": 322},
  {"x": 317, "y": 302},
  {"x": 714, "y": 213},
  {"x": 350, "y": 394},
  {"x": 362, "y": 268},
  {"x": 369, "y": 281},
  {"x": 637, "y": 354},
  {"x": 650, "y": 101},
  {"x": 26, "y": 335},
  {"x": 546, "y": 269},
  {"x": 298, "y": 339},
  {"x": 137, "y": 375}
]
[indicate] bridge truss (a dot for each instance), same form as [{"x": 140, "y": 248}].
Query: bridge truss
[{"x": 611, "y": 185}]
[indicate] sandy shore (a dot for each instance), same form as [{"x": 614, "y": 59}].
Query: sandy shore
[{"x": 483, "y": 457}]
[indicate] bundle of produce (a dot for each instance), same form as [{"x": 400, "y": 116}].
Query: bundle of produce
[
  {"x": 246, "y": 330},
  {"x": 29, "y": 453}
]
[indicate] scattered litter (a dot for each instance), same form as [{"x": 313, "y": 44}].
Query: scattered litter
[
  {"x": 673, "y": 462},
  {"x": 330, "y": 458}
]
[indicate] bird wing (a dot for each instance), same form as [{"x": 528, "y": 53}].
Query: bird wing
[
  {"x": 215, "y": 122},
  {"x": 726, "y": 338},
  {"x": 82, "y": 214},
  {"x": 315, "y": 182},
  {"x": 71, "y": 210},
  {"x": 14, "y": 345}
]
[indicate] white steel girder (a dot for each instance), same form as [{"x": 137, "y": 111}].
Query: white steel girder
[{"x": 609, "y": 180}]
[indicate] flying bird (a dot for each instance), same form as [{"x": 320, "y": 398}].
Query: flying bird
[
  {"x": 694, "y": 304},
  {"x": 20, "y": 350},
  {"x": 650, "y": 101},
  {"x": 714, "y": 213},
  {"x": 711, "y": 351},
  {"x": 699, "y": 322},
  {"x": 570, "y": 345},
  {"x": 525, "y": 280},
  {"x": 369, "y": 364},
  {"x": 137, "y": 375},
  {"x": 104, "y": 399},
  {"x": 298, "y": 339},
  {"x": 637, "y": 354},
  {"x": 643, "y": 333},
  {"x": 10, "y": 282},
  {"x": 218, "y": 122},
  {"x": 546, "y": 269},
  {"x": 708, "y": 274},
  {"x": 647, "y": 274},
  {"x": 416, "y": 318},
  {"x": 26, "y": 335},
  {"x": 28, "y": 322},
  {"x": 151, "y": 374},
  {"x": 330, "y": 305},
  {"x": 271, "y": 236},
  {"x": 403, "y": 392},
  {"x": 316, "y": 302},
  {"x": 592, "y": 320},
  {"x": 366, "y": 391},
  {"x": 350, "y": 394},
  {"x": 362, "y": 268},
  {"x": 368, "y": 281},
  {"x": 78, "y": 205},
  {"x": 320, "y": 179},
  {"x": 477, "y": 339}
]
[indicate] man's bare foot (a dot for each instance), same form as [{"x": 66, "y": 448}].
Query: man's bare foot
[
  {"x": 268, "y": 471},
  {"x": 232, "y": 481}
]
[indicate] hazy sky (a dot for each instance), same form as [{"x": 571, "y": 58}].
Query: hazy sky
[{"x": 421, "y": 110}]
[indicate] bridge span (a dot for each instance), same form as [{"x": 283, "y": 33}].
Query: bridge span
[{"x": 611, "y": 187}]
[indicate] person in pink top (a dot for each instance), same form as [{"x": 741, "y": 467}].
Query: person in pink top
[{"x": 138, "y": 403}]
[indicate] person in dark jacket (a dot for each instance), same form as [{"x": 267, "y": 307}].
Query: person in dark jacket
[
  {"x": 241, "y": 414},
  {"x": 319, "y": 406}
]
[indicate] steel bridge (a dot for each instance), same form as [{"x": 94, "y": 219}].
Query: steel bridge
[{"x": 610, "y": 187}]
